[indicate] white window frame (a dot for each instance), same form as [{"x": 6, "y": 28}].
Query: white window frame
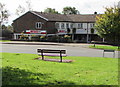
[
  {"x": 92, "y": 25},
  {"x": 80, "y": 25},
  {"x": 38, "y": 25},
  {"x": 57, "y": 26},
  {"x": 71, "y": 25},
  {"x": 62, "y": 25},
  {"x": 68, "y": 25}
]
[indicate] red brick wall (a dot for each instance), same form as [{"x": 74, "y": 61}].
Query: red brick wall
[{"x": 28, "y": 21}]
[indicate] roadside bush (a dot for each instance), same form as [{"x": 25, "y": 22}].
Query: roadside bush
[
  {"x": 34, "y": 38},
  {"x": 55, "y": 38},
  {"x": 43, "y": 38},
  {"x": 67, "y": 38},
  {"x": 52, "y": 38},
  {"x": 6, "y": 33},
  {"x": 23, "y": 37}
]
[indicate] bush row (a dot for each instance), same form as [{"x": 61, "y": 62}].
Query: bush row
[{"x": 55, "y": 38}]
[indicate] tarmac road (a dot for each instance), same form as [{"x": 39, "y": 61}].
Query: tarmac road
[{"x": 72, "y": 49}]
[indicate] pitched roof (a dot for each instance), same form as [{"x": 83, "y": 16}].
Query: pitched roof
[
  {"x": 71, "y": 17},
  {"x": 52, "y": 17},
  {"x": 64, "y": 18},
  {"x": 82, "y": 18}
]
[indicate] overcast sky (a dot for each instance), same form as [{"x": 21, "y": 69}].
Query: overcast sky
[{"x": 84, "y": 6}]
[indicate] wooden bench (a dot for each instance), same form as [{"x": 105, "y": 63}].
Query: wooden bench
[
  {"x": 49, "y": 52},
  {"x": 109, "y": 51}
]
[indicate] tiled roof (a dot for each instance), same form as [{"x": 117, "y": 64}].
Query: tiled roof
[
  {"x": 53, "y": 17},
  {"x": 72, "y": 17},
  {"x": 64, "y": 18},
  {"x": 82, "y": 18}
]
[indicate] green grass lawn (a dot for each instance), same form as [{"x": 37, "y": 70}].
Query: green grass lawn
[
  {"x": 4, "y": 40},
  {"x": 104, "y": 47},
  {"x": 21, "y": 69}
]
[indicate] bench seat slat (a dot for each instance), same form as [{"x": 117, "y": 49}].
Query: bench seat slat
[
  {"x": 50, "y": 51},
  {"x": 53, "y": 54}
]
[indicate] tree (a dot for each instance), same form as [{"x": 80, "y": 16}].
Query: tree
[
  {"x": 3, "y": 15},
  {"x": 68, "y": 30},
  {"x": 4, "y": 27},
  {"x": 10, "y": 27},
  {"x": 70, "y": 10},
  {"x": 50, "y": 10},
  {"x": 29, "y": 6},
  {"x": 7, "y": 33},
  {"x": 92, "y": 33},
  {"x": 20, "y": 10},
  {"x": 108, "y": 24}
]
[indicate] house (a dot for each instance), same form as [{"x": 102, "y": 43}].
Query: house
[{"x": 39, "y": 23}]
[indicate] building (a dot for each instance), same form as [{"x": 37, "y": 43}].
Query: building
[{"x": 39, "y": 23}]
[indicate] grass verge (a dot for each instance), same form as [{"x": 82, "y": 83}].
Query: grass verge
[
  {"x": 105, "y": 47},
  {"x": 21, "y": 69},
  {"x": 4, "y": 40}
]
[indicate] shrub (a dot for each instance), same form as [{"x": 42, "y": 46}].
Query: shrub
[{"x": 6, "y": 33}]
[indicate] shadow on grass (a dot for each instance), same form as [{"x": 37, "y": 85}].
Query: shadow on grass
[{"x": 16, "y": 76}]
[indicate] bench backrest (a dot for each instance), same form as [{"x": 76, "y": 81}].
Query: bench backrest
[
  {"x": 51, "y": 51},
  {"x": 109, "y": 50}
]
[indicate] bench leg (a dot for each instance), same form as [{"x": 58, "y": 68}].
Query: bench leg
[
  {"x": 42, "y": 57},
  {"x": 60, "y": 58}
]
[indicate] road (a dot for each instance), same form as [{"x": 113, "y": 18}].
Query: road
[{"x": 72, "y": 50}]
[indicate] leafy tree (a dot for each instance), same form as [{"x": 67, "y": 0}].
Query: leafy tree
[
  {"x": 10, "y": 27},
  {"x": 20, "y": 10},
  {"x": 4, "y": 27},
  {"x": 92, "y": 30},
  {"x": 68, "y": 30},
  {"x": 29, "y": 6},
  {"x": 6, "y": 31},
  {"x": 92, "y": 34},
  {"x": 50, "y": 10},
  {"x": 3, "y": 15},
  {"x": 74, "y": 30},
  {"x": 70, "y": 10},
  {"x": 108, "y": 24}
]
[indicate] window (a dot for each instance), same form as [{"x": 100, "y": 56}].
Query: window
[
  {"x": 71, "y": 25},
  {"x": 62, "y": 25},
  {"x": 67, "y": 25},
  {"x": 38, "y": 25},
  {"x": 91, "y": 25},
  {"x": 80, "y": 25},
  {"x": 57, "y": 26}
]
